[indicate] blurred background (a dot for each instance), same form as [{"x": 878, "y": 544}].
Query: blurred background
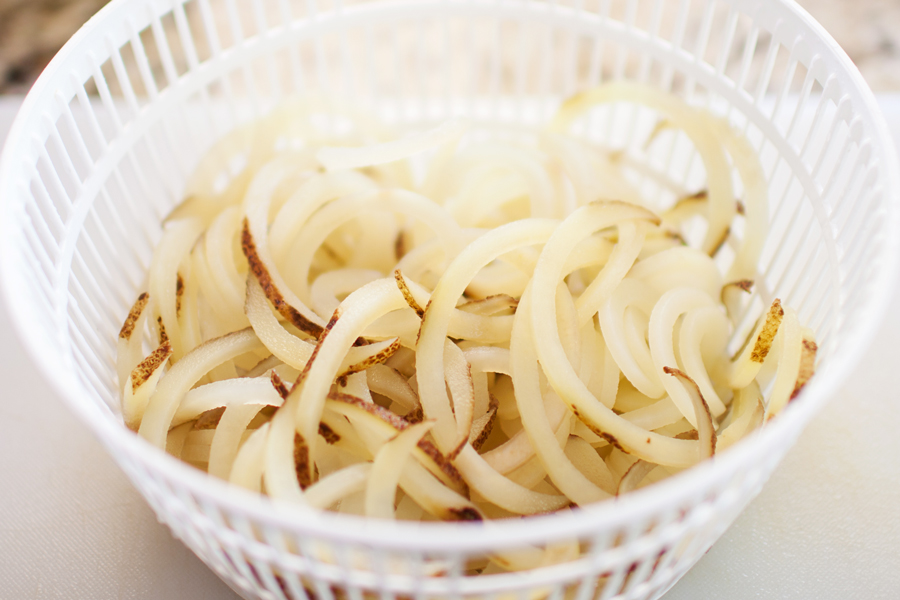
[{"x": 31, "y": 32}]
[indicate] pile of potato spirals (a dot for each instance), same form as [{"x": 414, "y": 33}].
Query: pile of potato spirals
[{"x": 457, "y": 325}]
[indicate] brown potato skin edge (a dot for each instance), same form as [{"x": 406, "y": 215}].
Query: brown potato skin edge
[
  {"x": 133, "y": 315},
  {"x": 767, "y": 335},
  {"x": 149, "y": 365},
  {"x": 259, "y": 270}
]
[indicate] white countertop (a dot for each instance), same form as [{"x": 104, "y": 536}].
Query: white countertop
[{"x": 826, "y": 526}]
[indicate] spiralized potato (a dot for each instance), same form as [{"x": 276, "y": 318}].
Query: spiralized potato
[{"x": 513, "y": 331}]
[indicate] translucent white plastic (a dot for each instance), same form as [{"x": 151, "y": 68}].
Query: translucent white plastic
[{"x": 105, "y": 141}]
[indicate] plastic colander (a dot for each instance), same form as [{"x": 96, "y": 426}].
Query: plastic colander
[{"x": 104, "y": 142}]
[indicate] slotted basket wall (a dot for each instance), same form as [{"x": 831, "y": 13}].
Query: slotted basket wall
[{"x": 106, "y": 139}]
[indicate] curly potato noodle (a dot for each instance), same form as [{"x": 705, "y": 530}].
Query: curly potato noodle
[{"x": 464, "y": 323}]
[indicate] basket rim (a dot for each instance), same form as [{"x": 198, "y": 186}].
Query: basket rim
[{"x": 449, "y": 537}]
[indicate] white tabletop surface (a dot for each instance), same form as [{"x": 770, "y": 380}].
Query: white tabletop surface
[{"x": 826, "y": 526}]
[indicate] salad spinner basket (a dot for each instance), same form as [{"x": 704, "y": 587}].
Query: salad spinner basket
[{"x": 105, "y": 141}]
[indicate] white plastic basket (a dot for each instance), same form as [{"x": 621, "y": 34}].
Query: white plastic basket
[{"x": 105, "y": 140}]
